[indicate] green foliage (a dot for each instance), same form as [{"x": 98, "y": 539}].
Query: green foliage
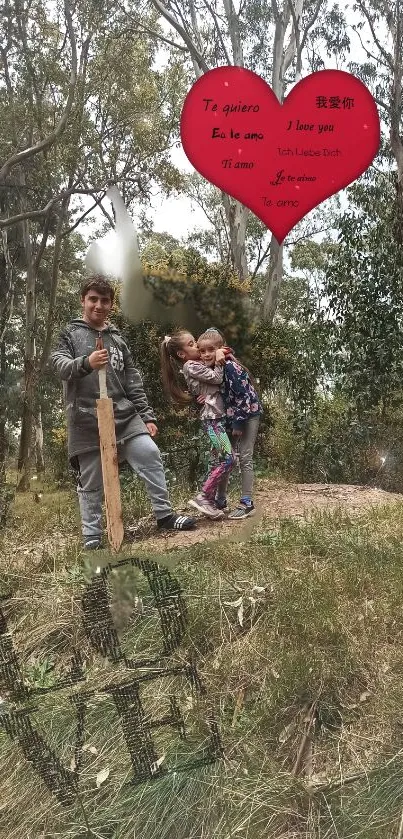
[
  {"x": 295, "y": 350},
  {"x": 209, "y": 289},
  {"x": 364, "y": 284},
  {"x": 213, "y": 290},
  {"x": 56, "y": 451},
  {"x": 334, "y": 446},
  {"x": 135, "y": 105},
  {"x": 319, "y": 640},
  {"x": 123, "y": 125}
]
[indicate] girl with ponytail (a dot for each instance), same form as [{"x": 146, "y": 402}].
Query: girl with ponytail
[{"x": 203, "y": 374}]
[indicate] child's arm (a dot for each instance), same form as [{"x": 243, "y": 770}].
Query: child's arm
[
  {"x": 224, "y": 354},
  {"x": 65, "y": 364},
  {"x": 192, "y": 386},
  {"x": 135, "y": 390},
  {"x": 211, "y": 375}
]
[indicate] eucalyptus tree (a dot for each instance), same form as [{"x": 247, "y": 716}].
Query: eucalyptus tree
[
  {"x": 83, "y": 106},
  {"x": 277, "y": 40}
]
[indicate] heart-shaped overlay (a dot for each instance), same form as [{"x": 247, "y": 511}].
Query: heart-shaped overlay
[{"x": 280, "y": 161}]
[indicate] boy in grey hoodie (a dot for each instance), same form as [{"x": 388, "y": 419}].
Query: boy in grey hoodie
[{"x": 76, "y": 361}]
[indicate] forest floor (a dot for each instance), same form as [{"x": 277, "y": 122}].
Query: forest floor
[
  {"x": 274, "y": 500},
  {"x": 295, "y": 622}
]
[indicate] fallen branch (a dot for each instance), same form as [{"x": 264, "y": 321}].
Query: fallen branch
[
  {"x": 238, "y": 706},
  {"x": 306, "y": 741}
]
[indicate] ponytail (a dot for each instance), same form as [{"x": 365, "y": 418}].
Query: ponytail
[{"x": 170, "y": 368}]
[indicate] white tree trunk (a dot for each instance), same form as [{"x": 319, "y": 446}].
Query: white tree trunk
[
  {"x": 39, "y": 458},
  {"x": 237, "y": 217},
  {"x": 274, "y": 278},
  {"x": 30, "y": 373},
  {"x": 282, "y": 59},
  {"x": 395, "y": 113}
]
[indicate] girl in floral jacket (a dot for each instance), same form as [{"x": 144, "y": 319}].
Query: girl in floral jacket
[{"x": 243, "y": 411}]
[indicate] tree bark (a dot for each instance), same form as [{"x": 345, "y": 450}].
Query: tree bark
[
  {"x": 5, "y": 495},
  {"x": 274, "y": 278},
  {"x": 237, "y": 217},
  {"x": 44, "y": 144},
  {"x": 282, "y": 59},
  {"x": 3, "y": 410},
  {"x": 39, "y": 458},
  {"x": 30, "y": 373},
  {"x": 236, "y": 214},
  {"x": 395, "y": 117},
  {"x": 234, "y": 32},
  {"x": 53, "y": 286}
]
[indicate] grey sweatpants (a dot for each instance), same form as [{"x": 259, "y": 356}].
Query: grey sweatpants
[
  {"x": 245, "y": 448},
  {"x": 143, "y": 456}
]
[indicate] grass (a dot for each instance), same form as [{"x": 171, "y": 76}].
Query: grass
[{"x": 297, "y": 635}]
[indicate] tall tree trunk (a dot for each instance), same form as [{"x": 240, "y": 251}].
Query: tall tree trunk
[
  {"x": 274, "y": 273},
  {"x": 30, "y": 373},
  {"x": 4, "y": 497},
  {"x": 237, "y": 217},
  {"x": 274, "y": 278},
  {"x": 395, "y": 116},
  {"x": 3, "y": 406},
  {"x": 282, "y": 60},
  {"x": 39, "y": 458},
  {"x": 283, "y": 57},
  {"x": 236, "y": 214},
  {"x": 7, "y": 278},
  {"x": 7, "y": 291},
  {"x": 53, "y": 285}
]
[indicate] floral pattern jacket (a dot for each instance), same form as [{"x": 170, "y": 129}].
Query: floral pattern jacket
[{"x": 240, "y": 398}]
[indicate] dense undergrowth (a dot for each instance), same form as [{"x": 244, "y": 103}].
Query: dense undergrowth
[{"x": 297, "y": 635}]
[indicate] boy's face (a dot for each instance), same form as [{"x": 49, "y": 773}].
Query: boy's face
[
  {"x": 207, "y": 351},
  {"x": 96, "y": 308}
]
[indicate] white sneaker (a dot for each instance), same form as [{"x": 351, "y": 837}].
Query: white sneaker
[{"x": 204, "y": 506}]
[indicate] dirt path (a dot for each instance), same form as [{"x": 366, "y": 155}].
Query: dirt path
[{"x": 273, "y": 500}]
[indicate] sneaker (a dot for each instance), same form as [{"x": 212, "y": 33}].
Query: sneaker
[
  {"x": 175, "y": 522},
  {"x": 206, "y": 507},
  {"x": 92, "y": 543},
  {"x": 222, "y": 504},
  {"x": 242, "y": 512}
]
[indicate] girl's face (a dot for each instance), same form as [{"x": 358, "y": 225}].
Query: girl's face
[
  {"x": 207, "y": 351},
  {"x": 189, "y": 350}
]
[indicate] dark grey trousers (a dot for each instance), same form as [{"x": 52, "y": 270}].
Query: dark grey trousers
[
  {"x": 143, "y": 456},
  {"x": 245, "y": 448}
]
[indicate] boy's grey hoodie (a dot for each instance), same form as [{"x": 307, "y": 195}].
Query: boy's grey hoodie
[{"x": 81, "y": 386}]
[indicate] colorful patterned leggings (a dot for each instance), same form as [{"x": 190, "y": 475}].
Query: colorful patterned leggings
[{"x": 222, "y": 457}]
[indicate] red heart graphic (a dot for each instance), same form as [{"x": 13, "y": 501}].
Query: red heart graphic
[{"x": 279, "y": 160}]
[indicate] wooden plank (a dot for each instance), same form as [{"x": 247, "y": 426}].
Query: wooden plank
[
  {"x": 103, "y": 393},
  {"x": 109, "y": 460},
  {"x": 110, "y": 473}
]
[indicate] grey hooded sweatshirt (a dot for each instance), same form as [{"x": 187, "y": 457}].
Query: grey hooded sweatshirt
[{"x": 81, "y": 386}]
